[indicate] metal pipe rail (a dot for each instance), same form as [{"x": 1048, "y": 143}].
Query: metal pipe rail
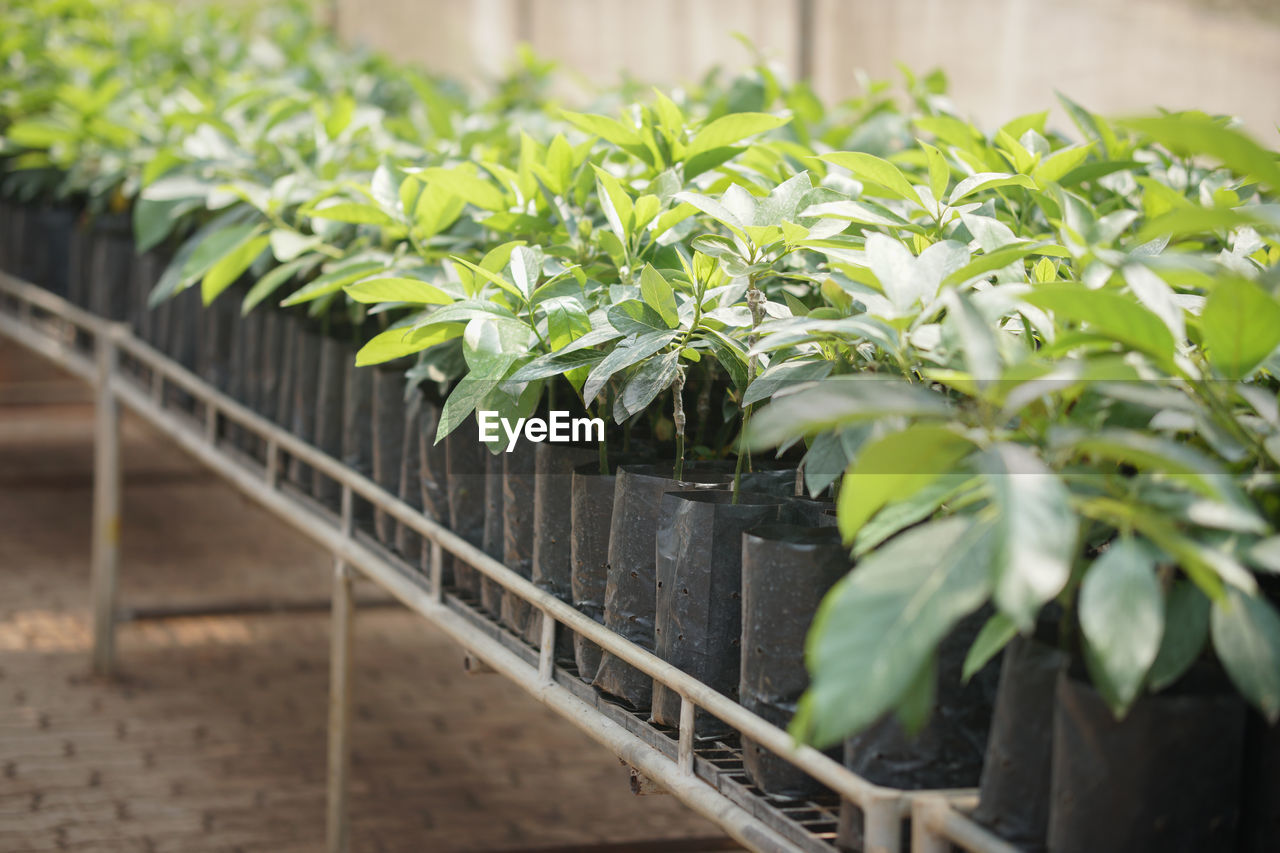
[{"x": 883, "y": 808}]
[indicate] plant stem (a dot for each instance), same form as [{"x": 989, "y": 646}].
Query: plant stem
[
  {"x": 755, "y": 301},
  {"x": 677, "y": 417}
]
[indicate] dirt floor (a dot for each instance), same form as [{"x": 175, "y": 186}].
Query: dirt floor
[{"x": 213, "y": 739}]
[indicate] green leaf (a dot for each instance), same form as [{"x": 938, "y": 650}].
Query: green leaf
[
  {"x": 649, "y": 381},
  {"x": 732, "y": 128},
  {"x": 916, "y": 705},
  {"x": 658, "y": 295},
  {"x": 271, "y": 282},
  {"x": 395, "y": 289},
  {"x": 1057, "y": 165},
  {"x": 556, "y": 364},
  {"x": 837, "y": 401},
  {"x": 877, "y": 627},
  {"x": 1107, "y": 313},
  {"x": 231, "y": 266},
  {"x": 868, "y": 167},
  {"x": 287, "y": 244},
  {"x": 616, "y": 203},
  {"x": 153, "y": 221},
  {"x": 988, "y": 181},
  {"x": 355, "y": 213},
  {"x": 1187, "y": 220},
  {"x": 465, "y": 311},
  {"x": 333, "y": 281},
  {"x": 939, "y": 171},
  {"x": 631, "y": 316},
  {"x": 731, "y": 354},
  {"x": 1246, "y": 636},
  {"x": 1241, "y": 326},
  {"x": 1186, "y": 627},
  {"x": 608, "y": 129},
  {"x": 893, "y": 468},
  {"x": 622, "y": 357},
  {"x": 994, "y": 636},
  {"x": 989, "y": 262},
  {"x": 784, "y": 375},
  {"x": 397, "y": 343},
  {"x": 1147, "y": 452},
  {"x": 526, "y": 269},
  {"x": 1035, "y": 531},
  {"x": 1197, "y": 135},
  {"x": 461, "y": 182},
  {"x": 1122, "y": 619}
]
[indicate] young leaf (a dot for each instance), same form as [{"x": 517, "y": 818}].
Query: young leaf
[
  {"x": 230, "y": 267},
  {"x": 895, "y": 467},
  {"x": 397, "y": 343},
  {"x": 987, "y": 181},
  {"x": 939, "y": 171},
  {"x": 658, "y": 295},
  {"x": 1110, "y": 314},
  {"x": 994, "y": 636},
  {"x": 1241, "y": 326},
  {"x": 868, "y": 167},
  {"x": 355, "y": 213},
  {"x": 837, "y": 401},
  {"x": 1199, "y": 135},
  {"x": 732, "y": 128},
  {"x": 397, "y": 290}
]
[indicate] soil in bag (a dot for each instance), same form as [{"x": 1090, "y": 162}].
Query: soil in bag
[
  {"x": 182, "y": 341},
  {"x": 551, "y": 565},
  {"x": 433, "y": 479},
  {"x": 213, "y": 358},
  {"x": 336, "y": 352},
  {"x": 590, "y": 515},
  {"x": 10, "y": 225},
  {"x": 698, "y": 603},
  {"x": 251, "y": 343},
  {"x": 491, "y": 592},
  {"x": 811, "y": 512},
  {"x": 1014, "y": 793},
  {"x": 110, "y": 259},
  {"x": 630, "y": 585},
  {"x": 144, "y": 272},
  {"x": 388, "y": 440},
  {"x": 466, "y": 460},
  {"x": 786, "y": 570},
  {"x": 948, "y": 752},
  {"x": 36, "y": 246},
  {"x": 57, "y": 224},
  {"x": 1260, "y": 802},
  {"x": 304, "y": 388},
  {"x": 78, "y": 264},
  {"x": 408, "y": 541},
  {"x": 230, "y": 301},
  {"x": 1165, "y": 778},
  {"x": 519, "y": 477},
  {"x": 357, "y": 433}
]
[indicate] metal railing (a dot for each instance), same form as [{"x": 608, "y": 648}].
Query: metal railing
[{"x": 56, "y": 329}]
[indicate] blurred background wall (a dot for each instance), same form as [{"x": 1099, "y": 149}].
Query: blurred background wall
[{"x": 1003, "y": 57}]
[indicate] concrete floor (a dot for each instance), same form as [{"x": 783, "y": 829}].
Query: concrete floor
[{"x": 213, "y": 739}]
